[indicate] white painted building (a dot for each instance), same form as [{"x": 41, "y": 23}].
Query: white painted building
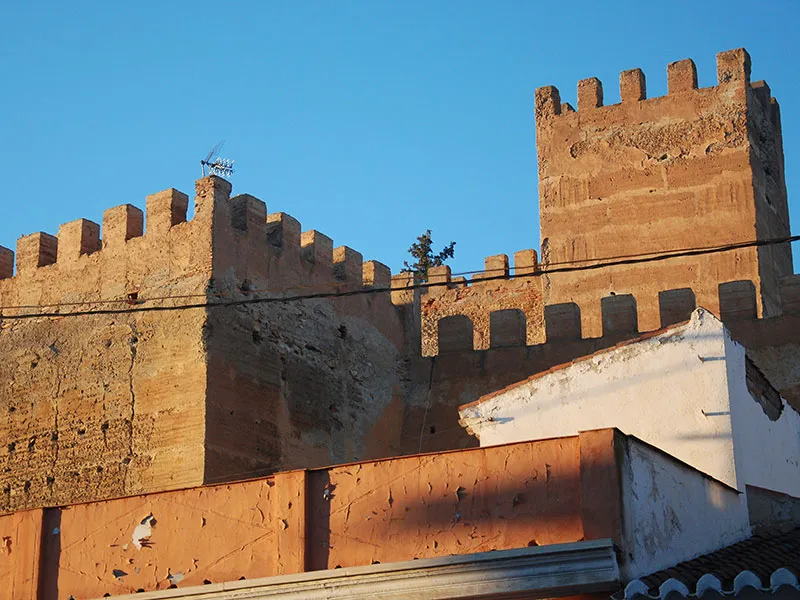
[{"x": 688, "y": 390}]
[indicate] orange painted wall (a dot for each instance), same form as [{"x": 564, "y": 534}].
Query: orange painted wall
[
  {"x": 423, "y": 506},
  {"x": 20, "y": 539}
]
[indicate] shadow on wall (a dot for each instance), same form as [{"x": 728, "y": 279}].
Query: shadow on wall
[{"x": 442, "y": 504}]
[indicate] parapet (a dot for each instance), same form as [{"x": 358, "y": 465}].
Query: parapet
[
  {"x": 620, "y": 316},
  {"x": 149, "y": 249},
  {"x": 733, "y": 69},
  {"x": 496, "y": 268}
]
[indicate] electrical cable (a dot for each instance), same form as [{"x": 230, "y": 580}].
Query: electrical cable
[{"x": 538, "y": 271}]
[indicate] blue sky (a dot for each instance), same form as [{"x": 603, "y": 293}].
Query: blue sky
[{"x": 368, "y": 121}]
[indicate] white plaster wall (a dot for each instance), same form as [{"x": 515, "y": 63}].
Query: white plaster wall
[
  {"x": 767, "y": 452},
  {"x": 672, "y": 513},
  {"x": 657, "y": 389}
]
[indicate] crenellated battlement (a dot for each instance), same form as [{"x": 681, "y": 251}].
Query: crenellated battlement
[
  {"x": 79, "y": 241},
  {"x": 126, "y": 397},
  {"x": 733, "y": 73},
  {"x": 136, "y": 252},
  {"x": 502, "y": 286},
  {"x": 496, "y": 269},
  {"x": 462, "y": 371},
  {"x": 621, "y": 315}
]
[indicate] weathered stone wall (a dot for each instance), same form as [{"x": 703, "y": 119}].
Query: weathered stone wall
[
  {"x": 695, "y": 168},
  {"x": 139, "y": 399},
  {"x": 769, "y": 188},
  {"x": 120, "y": 403},
  {"x": 104, "y": 405},
  {"x": 301, "y": 383}
]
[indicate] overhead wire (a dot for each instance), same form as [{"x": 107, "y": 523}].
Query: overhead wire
[
  {"x": 554, "y": 267},
  {"x": 135, "y": 305}
]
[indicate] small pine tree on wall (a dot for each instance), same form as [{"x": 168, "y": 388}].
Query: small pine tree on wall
[{"x": 424, "y": 258}]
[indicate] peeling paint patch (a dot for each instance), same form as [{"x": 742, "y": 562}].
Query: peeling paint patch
[
  {"x": 175, "y": 578},
  {"x": 141, "y": 535}
]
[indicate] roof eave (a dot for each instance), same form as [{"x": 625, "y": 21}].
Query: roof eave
[{"x": 547, "y": 571}]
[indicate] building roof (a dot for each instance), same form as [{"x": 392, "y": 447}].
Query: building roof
[
  {"x": 764, "y": 561},
  {"x": 640, "y": 338}
]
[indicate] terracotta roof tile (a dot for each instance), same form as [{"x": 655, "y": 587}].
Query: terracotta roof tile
[{"x": 762, "y": 554}]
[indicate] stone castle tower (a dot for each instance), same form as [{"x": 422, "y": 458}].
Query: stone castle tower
[
  {"x": 695, "y": 168},
  {"x": 161, "y": 354}
]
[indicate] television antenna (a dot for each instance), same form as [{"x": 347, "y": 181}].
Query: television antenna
[{"x": 222, "y": 167}]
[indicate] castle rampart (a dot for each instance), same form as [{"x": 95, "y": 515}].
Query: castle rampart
[
  {"x": 102, "y": 405},
  {"x": 191, "y": 360}
]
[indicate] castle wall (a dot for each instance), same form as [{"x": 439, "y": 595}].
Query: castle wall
[
  {"x": 301, "y": 383},
  {"x": 118, "y": 402},
  {"x": 461, "y": 373},
  {"x": 103, "y": 405},
  {"x": 139, "y": 399},
  {"x": 769, "y": 188},
  {"x": 660, "y": 174}
]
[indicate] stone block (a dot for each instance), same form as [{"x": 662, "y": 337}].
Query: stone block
[
  {"x": 76, "y": 238},
  {"x": 36, "y": 250},
  {"x": 164, "y": 210},
  {"x": 6, "y": 262},
  {"x": 547, "y": 102},
  {"x": 316, "y": 247},
  {"x": 283, "y": 231},
  {"x": 403, "y": 290},
  {"x": 737, "y": 300},
  {"x": 681, "y": 76},
  {"x": 347, "y": 264},
  {"x": 120, "y": 224},
  {"x": 632, "y": 87},
  {"x": 525, "y": 262},
  {"x": 733, "y": 65},
  {"x": 376, "y": 274},
  {"x": 248, "y": 213},
  {"x": 590, "y": 94},
  {"x": 496, "y": 266}
]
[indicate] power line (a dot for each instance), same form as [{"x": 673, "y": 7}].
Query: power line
[{"x": 539, "y": 270}]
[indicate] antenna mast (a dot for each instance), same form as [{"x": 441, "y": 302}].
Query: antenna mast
[{"x": 222, "y": 167}]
